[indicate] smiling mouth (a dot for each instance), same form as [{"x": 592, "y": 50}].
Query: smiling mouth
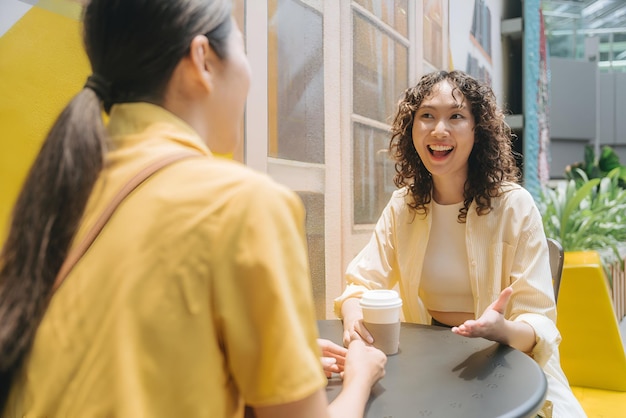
[{"x": 440, "y": 150}]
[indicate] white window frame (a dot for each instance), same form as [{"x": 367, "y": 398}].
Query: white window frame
[
  {"x": 343, "y": 239},
  {"x": 354, "y": 237}
]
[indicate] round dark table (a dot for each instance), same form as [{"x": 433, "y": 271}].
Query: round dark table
[{"x": 437, "y": 373}]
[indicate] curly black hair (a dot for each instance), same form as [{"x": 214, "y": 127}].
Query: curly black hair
[{"x": 491, "y": 161}]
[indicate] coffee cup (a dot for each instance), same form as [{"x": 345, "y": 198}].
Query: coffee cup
[{"x": 381, "y": 317}]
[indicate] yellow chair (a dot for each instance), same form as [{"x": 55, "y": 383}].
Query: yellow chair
[{"x": 592, "y": 352}]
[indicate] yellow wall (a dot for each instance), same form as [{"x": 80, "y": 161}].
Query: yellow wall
[{"x": 42, "y": 65}]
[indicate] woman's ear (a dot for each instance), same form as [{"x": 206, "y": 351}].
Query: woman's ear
[{"x": 202, "y": 59}]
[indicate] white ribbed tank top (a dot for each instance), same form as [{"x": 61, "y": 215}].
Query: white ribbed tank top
[{"x": 445, "y": 283}]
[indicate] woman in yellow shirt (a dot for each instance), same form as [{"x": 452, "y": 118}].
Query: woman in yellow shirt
[{"x": 195, "y": 299}]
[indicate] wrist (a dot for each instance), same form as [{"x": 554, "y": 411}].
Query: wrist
[
  {"x": 351, "y": 310},
  {"x": 520, "y": 335}
]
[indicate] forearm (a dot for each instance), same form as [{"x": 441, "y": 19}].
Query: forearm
[
  {"x": 519, "y": 335},
  {"x": 351, "y": 401}
]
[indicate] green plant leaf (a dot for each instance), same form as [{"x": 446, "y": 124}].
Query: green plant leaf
[
  {"x": 608, "y": 159},
  {"x": 588, "y": 210},
  {"x": 590, "y": 158},
  {"x": 574, "y": 202}
]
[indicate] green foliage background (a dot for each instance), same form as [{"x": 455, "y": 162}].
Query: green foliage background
[{"x": 588, "y": 210}]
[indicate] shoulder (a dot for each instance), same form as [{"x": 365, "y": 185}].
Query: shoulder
[
  {"x": 234, "y": 177},
  {"x": 513, "y": 201},
  {"x": 516, "y": 206},
  {"x": 515, "y": 196},
  {"x": 227, "y": 189},
  {"x": 400, "y": 201},
  {"x": 401, "y": 197}
]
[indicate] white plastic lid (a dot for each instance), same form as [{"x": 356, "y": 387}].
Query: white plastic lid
[{"x": 381, "y": 298}]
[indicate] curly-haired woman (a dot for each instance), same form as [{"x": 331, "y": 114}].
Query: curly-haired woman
[{"x": 461, "y": 239}]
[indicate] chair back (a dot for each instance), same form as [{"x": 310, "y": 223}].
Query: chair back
[{"x": 556, "y": 264}]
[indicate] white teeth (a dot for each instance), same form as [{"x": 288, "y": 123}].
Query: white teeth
[{"x": 440, "y": 147}]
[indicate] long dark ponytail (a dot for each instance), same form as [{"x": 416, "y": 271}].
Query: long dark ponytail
[
  {"x": 133, "y": 47},
  {"x": 44, "y": 220}
]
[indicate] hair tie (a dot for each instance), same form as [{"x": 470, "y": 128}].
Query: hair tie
[{"x": 100, "y": 86}]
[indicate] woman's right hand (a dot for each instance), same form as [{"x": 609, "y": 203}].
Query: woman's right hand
[{"x": 364, "y": 364}]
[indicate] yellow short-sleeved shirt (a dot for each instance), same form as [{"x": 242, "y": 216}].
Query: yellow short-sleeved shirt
[{"x": 194, "y": 299}]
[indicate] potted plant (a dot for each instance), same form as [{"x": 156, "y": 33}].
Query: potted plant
[
  {"x": 587, "y": 213},
  {"x": 598, "y": 167}
]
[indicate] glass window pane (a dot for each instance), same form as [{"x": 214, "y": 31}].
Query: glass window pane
[
  {"x": 380, "y": 71},
  {"x": 433, "y": 32},
  {"x": 392, "y": 12},
  {"x": 561, "y": 46},
  {"x": 314, "y": 206},
  {"x": 295, "y": 82},
  {"x": 373, "y": 173}
]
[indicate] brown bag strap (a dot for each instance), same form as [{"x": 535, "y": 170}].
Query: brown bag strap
[{"x": 91, "y": 235}]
